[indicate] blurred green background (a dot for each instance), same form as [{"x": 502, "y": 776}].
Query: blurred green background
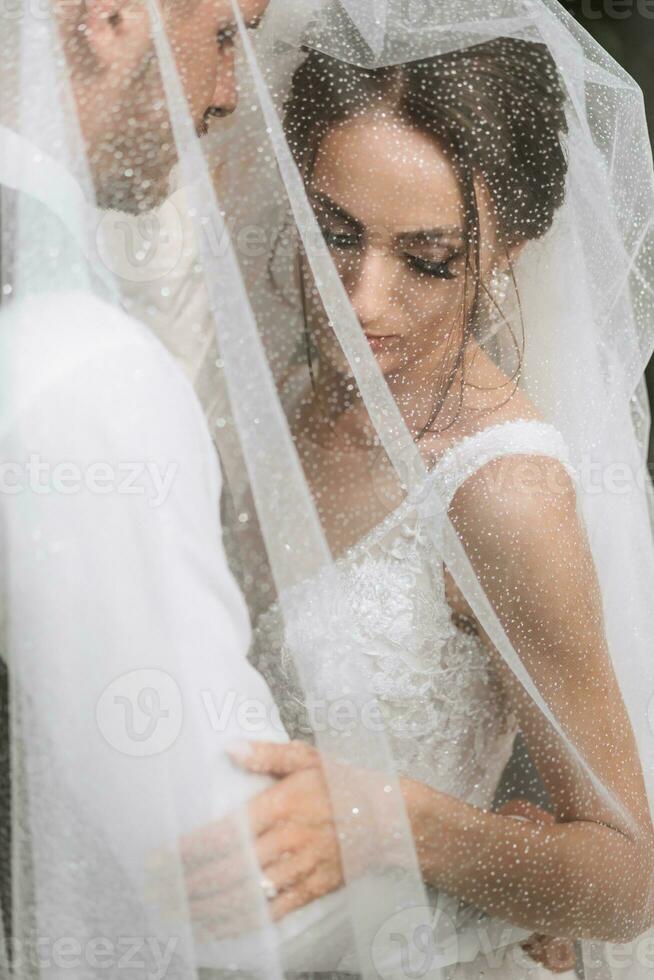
[{"x": 626, "y": 33}]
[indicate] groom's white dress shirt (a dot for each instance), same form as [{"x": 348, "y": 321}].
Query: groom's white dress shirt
[{"x": 118, "y": 577}]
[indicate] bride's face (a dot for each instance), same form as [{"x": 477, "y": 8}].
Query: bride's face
[{"x": 390, "y": 207}]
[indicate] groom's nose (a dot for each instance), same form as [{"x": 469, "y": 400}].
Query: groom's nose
[{"x": 225, "y": 95}]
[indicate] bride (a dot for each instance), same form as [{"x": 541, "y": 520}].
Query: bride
[{"x": 430, "y": 181}]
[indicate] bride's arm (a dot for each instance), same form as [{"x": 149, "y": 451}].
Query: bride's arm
[
  {"x": 591, "y": 874},
  {"x": 577, "y": 879}
]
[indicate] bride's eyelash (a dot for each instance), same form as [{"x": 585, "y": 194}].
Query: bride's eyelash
[
  {"x": 340, "y": 240},
  {"x": 351, "y": 240},
  {"x": 437, "y": 270}
]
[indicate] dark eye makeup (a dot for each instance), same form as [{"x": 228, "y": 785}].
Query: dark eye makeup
[
  {"x": 348, "y": 241},
  {"x": 341, "y": 240},
  {"x": 342, "y": 232},
  {"x": 437, "y": 270}
]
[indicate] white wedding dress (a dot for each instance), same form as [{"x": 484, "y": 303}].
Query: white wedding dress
[{"x": 446, "y": 714}]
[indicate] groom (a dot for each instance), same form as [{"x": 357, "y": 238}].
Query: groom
[
  {"x": 114, "y": 581},
  {"x": 83, "y": 381}
]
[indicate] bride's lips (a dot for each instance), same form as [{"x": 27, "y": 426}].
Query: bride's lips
[{"x": 378, "y": 343}]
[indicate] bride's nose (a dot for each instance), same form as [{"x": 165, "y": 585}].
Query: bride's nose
[
  {"x": 225, "y": 96},
  {"x": 370, "y": 291}
]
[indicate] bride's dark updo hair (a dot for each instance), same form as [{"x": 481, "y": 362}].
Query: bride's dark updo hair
[{"x": 496, "y": 109}]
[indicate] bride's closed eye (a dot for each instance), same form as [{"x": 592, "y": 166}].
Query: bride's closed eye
[
  {"x": 441, "y": 269},
  {"x": 342, "y": 232},
  {"x": 435, "y": 269},
  {"x": 341, "y": 239}
]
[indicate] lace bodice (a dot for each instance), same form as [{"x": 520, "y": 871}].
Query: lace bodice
[{"x": 445, "y": 712}]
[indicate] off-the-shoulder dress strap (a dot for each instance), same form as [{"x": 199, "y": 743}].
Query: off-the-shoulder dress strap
[{"x": 527, "y": 437}]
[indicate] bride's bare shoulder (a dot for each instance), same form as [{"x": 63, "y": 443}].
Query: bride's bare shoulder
[
  {"x": 513, "y": 491},
  {"x": 487, "y": 397},
  {"x": 525, "y": 503}
]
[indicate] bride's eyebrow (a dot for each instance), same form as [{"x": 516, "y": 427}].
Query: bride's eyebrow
[{"x": 337, "y": 212}]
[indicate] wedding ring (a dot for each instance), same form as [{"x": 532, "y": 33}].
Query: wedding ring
[{"x": 269, "y": 888}]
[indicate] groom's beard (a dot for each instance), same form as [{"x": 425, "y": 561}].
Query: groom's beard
[
  {"x": 136, "y": 178},
  {"x": 133, "y": 159}
]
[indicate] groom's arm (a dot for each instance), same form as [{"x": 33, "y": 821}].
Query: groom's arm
[
  {"x": 126, "y": 629},
  {"x": 129, "y": 634}
]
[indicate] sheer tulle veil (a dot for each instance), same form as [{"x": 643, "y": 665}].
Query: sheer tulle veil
[{"x": 96, "y": 844}]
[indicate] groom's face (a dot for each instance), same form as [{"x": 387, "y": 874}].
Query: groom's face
[
  {"x": 123, "y": 110},
  {"x": 203, "y": 42}
]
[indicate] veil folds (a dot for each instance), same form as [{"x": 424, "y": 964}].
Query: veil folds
[{"x": 500, "y": 434}]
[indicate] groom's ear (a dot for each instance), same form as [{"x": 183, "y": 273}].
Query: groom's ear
[{"x": 118, "y": 32}]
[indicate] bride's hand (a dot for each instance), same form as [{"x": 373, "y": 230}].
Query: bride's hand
[
  {"x": 296, "y": 841},
  {"x": 297, "y": 845}
]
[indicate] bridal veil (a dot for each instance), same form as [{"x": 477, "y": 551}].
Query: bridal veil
[{"x": 547, "y": 141}]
